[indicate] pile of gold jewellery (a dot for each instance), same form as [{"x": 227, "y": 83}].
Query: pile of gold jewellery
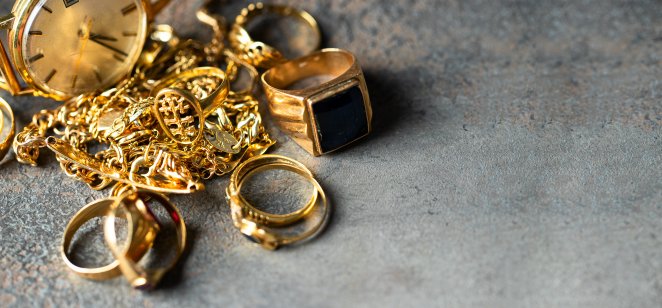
[{"x": 176, "y": 121}]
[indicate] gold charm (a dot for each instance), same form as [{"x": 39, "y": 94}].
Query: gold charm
[
  {"x": 178, "y": 114},
  {"x": 220, "y": 138}
]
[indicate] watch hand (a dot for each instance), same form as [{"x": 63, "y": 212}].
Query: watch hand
[
  {"x": 98, "y": 41},
  {"x": 84, "y": 33},
  {"x": 102, "y": 37}
]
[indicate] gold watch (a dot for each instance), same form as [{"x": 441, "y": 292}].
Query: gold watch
[{"x": 64, "y": 48}]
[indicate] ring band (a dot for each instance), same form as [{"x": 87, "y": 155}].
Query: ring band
[
  {"x": 95, "y": 209},
  {"x": 139, "y": 277},
  {"x": 250, "y": 169},
  {"x": 260, "y": 54},
  {"x": 235, "y": 63},
  {"x": 253, "y": 226},
  {"x": 324, "y": 117},
  {"x": 6, "y": 111}
]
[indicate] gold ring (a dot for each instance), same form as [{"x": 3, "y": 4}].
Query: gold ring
[
  {"x": 6, "y": 143},
  {"x": 259, "y": 226},
  {"x": 135, "y": 250},
  {"x": 133, "y": 204},
  {"x": 208, "y": 85},
  {"x": 324, "y": 117},
  {"x": 234, "y": 63},
  {"x": 262, "y": 163},
  {"x": 258, "y": 53}
]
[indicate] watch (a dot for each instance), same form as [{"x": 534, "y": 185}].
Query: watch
[{"x": 63, "y": 48}]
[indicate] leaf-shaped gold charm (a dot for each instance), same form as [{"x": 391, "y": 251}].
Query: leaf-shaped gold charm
[{"x": 220, "y": 138}]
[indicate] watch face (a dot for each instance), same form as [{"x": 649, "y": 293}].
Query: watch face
[{"x": 71, "y": 47}]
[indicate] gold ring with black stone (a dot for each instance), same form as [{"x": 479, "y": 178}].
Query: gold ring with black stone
[{"x": 326, "y": 116}]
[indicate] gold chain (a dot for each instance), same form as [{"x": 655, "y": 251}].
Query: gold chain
[{"x": 160, "y": 140}]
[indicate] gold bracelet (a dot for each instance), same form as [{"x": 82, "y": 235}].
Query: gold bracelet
[
  {"x": 137, "y": 212},
  {"x": 260, "y": 54},
  {"x": 255, "y": 224}
]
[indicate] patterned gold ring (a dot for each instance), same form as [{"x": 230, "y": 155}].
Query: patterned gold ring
[{"x": 262, "y": 227}]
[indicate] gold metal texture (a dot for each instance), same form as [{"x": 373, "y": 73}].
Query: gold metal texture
[
  {"x": 260, "y": 54},
  {"x": 261, "y": 227},
  {"x": 135, "y": 249},
  {"x": 133, "y": 204},
  {"x": 292, "y": 109},
  {"x": 19, "y": 79},
  {"x": 6, "y": 114}
]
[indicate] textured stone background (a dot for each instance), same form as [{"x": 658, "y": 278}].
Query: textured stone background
[{"x": 515, "y": 163}]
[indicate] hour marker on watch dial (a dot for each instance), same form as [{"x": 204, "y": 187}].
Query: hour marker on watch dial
[
  {"x": 47, "y": 9},
  {"x": 50, "y": 76},
  {"x": 36, "y": 57},
  {"x": 128, "y": 9},
  {"x": 35, "y": 32},
  {"x": 118, "y": 57}
]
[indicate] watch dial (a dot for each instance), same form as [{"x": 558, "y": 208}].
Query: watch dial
[{"x": 70, "y": 47}]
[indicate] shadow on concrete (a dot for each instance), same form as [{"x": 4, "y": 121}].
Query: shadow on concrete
[
  {"x": 88, "y": 249},
  {"x": 175, "y": 275},
  {"x": 388, "y": 105},
  {"x": 330, "y": 223}
]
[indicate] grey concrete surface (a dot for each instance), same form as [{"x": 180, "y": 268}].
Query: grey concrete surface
[{"x": 515, "y": 162}]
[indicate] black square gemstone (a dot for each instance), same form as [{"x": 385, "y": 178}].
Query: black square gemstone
[{"x": 340, "y": 119}]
